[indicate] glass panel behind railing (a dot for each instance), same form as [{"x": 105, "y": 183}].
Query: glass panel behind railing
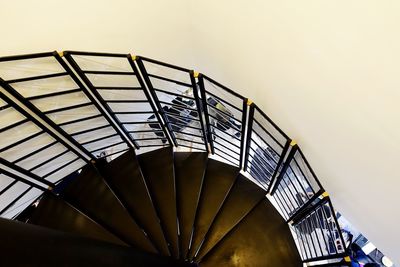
[
  {"x": 317, "y": 233},
  {"x": 225, "y": 113},
  {"x": 297, "y": 185},
  {"x": 46, "y": 84},
  {"x": 27, "y": 145},
  {"x": 27, "y": 148},
  {"x": 116, "y": 82},
  {"x": 176, "y": 94},
  {"x": 266, "y": 147},
  {"x": 15, "y": 196}
]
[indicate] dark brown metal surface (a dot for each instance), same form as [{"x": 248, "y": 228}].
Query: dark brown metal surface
[
  {"x": 242, "y": 198},
  {"x": 125, "y": 178},
  {"x": 30, "y": 245},
  {"x": 261, "y": 239},
  {"x": 189, "y": 173},
  {"x": 218, "y": 180},
  {"x": 54, "y": 213},
  {"x": 158, "y": 170},
  {"x": 91, "y": 195},
  {"x": 224, "y": 218}
]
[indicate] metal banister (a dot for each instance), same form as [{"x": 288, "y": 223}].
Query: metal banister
[{"x": 204, "y": 116}]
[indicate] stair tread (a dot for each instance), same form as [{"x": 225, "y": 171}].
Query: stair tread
[
  {"x": 158, "y": 171},
  {"x": 32, "y": 245},
  {"x": 91, "y": 195},
  {"x": 189, "y": 173},
  {"x": 218, "y": 180},
  {"x": 54, "y": 213},
  {"x": 262, "y": 238},
  {"x": 242, "y": 198},
  {"x": 125, "y": 178}
]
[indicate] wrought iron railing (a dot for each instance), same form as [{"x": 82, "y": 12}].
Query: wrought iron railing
[
  {"x": 60, "y": 111},
  {"x": 266, "y": 148},
  {"x": 318, "y": 233}
]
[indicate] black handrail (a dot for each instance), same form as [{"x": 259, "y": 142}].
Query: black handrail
[
  {"x": 257, "y": 145},
  {"x": 120, "y": 129}
]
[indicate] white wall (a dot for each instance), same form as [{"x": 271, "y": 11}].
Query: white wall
[
  {"x": 326, "y": 71},
  {"x": 155, "y": 28}
]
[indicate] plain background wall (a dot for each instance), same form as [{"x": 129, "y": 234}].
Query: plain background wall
[
  {"x": 327, "y": 72},
  {"x": 156, "y": 28}
]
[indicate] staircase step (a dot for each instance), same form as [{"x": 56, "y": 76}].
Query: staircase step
[
  {"x": 218, "y": 180},
  {"x": 31, "y": 245},
  {"x": 158, "y": 170},
  {"x": 91, "y": 195},
  {"x": 262, "y": 238},
  {"x": 242, "y": 198},
  {"x": 189, "y": 172},
  {"x": 125, "y": 178},
  {"x": 55, "y": 213}
]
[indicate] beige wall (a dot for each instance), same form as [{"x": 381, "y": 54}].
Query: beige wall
[
  {"x": 156, "y": 28},
  {"x": 328, "y": 72}
]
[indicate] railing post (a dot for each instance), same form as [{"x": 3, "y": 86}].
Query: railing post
[
  {"x": 273, "y": 187},
  {"x": 155, "y": 98},
  {"x": 243, "y": 132},
  {"x": 248, "y": 134},
  {"x": 96, "y": 99},
  {"x": 279, "y": 164},
  {"x": 58, "y": 129},
  {"x": 205, "y": 110},
  {"x": 193, "y": 76},
  {"x": 306, "y": 205},
  {"x": 337, "y": 223},
  {"x": 131, "y": 60}
]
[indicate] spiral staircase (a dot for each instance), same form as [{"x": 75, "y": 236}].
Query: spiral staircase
[{"x": 114, "y": 159}]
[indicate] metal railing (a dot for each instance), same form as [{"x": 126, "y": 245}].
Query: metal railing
[
  {"x": 318, "y": 233},
  {"x": 60, "y": 111},
  {"x": 115, "y": 81},
  {"x": 266, "y": 148},
  {"x": 297, "y": 185},
  {"x": 176, "y": 95},
  {"x": 226, "y": 114},
  {"x": 33, "y": 159}
]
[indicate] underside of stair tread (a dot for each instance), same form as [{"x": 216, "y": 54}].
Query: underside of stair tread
[
  {"x": 54, "y": 213},
  {"x": 31, "y": 245},
  {"x": 172, "y": 208},
  {"x": 91, "y": 195},
  {"x": 158, "y": 170},
  {"x": 124, "y": 176},
  {"x": 262, "y": 239},
  {"x": 189, "y": 173},
  {"x": 218, "y": 180},
  {"x": 242, "y": 198}
]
